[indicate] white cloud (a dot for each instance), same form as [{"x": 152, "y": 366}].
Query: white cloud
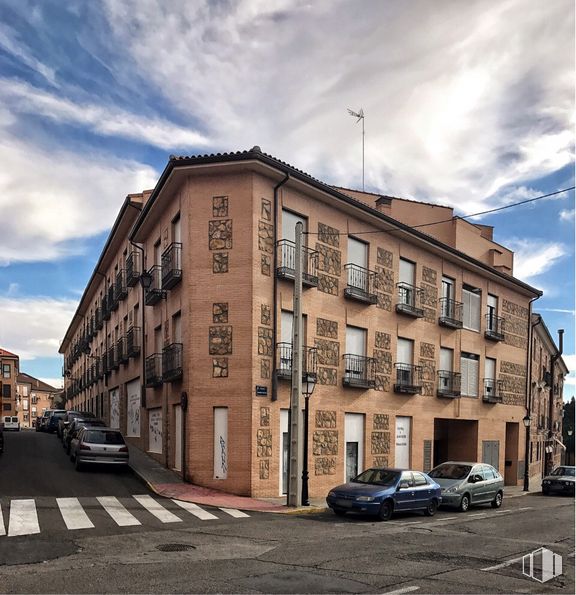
[
  {"x": 43, "y": 320},
  {"x": 567, "y": 215},
  {"x": 55, "y": 382},
  {"x": 534, "y": 257}
]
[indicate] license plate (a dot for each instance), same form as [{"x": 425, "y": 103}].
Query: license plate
[{"x": 344, "y": 503}]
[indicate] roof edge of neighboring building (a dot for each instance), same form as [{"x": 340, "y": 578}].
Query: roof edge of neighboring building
[
  {"x": 256, "y": 154},
  {"x": 541, "y": 324},
  {"x": 6, "y": 353},
  {"x": 22, "y": 376}
]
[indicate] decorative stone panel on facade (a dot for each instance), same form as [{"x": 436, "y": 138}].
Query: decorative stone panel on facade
[
  {"x": 427, "y": 350},
  {"x": 381, "y": 462},
  {"x": 428, "y": 295},
  {"x": 220, "y": 340},
  {"x": 429, "y": 276},
  {"x": 266, "y": 210},
  {"x": 220, "y": 367},
  {"x": 220, "y": 234},
  {"x": 220, "y": 206},
  {"x": 325, "y": 419},
  {"x": 265, "y": 314},
  {"x": 264, "y": 442},
  {"x": 327, "y": 284},
  {"x": 265, "y": 343},
  {"x": 265, "y": 416},
  {"x": 384, "y": 280},
  {"x": 328, "y": 352},
  {"x": 265, "y": 366},
  {"x": 265, "y": 469},
  {"x": 329, "y": 260},
  {"x": 266, "y": 237},
  {"x": 429, "y": 315},
  {"x": 328, "y": 235},
  {"x": 384, "y": 301},
  {"x": 382, "y": 361},
  {"x": 220, "y": 262},
  {"x": 513, "y": 383},
  {"x": 327, "y": 376},
  {"x": 325, "y": 442},
  {"x": 382, "y": 340},
  {"x": 515, "y": 324},
  {"x": 512, "y": 368},
  {"x": 509, "y": 307},
  {"x": 384, "y": 258},
  {"x": 427, "y": 376},
  {"x": 324, "y": 466},
  {"x": 381, "y": 421},
  {"x": 327, "y": 328},
  {"x": 265, "y": 265},
  {"x": 220, "y": 312},
  {"x": 381, "y": 383},
  {"x": 380, "y": 443}
]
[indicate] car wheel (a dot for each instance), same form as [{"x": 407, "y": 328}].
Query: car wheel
[
  {"x": 339, "y": 511},
  {"x": 497, "y": 502},
  {"x": 386, "y": 509},
  {"x": 545, "y": 492},
  {"x": 431, "y": 508},
  {"x": 464, "y": 503}
]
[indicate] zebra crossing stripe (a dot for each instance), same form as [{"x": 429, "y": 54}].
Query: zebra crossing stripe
[
  {"x": 73, "y": 514},
  {"x": 157, "y": 509},
  {"x": 2, "y": 528},
  {"x": 194, "y": 509},
  {"x": 118, "y": 513},
  {"x": 237, "y": 514},
  {"x": 23, "y": 518}
]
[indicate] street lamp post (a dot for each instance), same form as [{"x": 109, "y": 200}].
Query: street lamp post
[
  {"x": 569, "y": 447},
  {"x": 307, "y": 389},
  {"x": 526, "y": 421}
]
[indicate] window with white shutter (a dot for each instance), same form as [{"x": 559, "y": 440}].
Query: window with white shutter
[
  {"x": 471, "y": 308},
  {"x": 469, "y": 374}
]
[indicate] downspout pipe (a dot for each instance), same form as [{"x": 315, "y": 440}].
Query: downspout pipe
[{"x": 275, "y": 289}]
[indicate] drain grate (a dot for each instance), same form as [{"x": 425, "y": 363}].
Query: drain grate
[{"x": 175, "y": 547}]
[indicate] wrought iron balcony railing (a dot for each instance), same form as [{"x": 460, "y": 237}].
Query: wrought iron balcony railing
[
  {"x": 98, "y": 319},
  {"x": 133, "y": 341},
  {"x": 155, "y": 293},
  {"x": 122, "y": 351},
  {"x": 172, "y": 265},
  {"x": 358, "y": 371},
  {"x": 409, "y": 300},
  {"x": 286, "y": 263},
  {"x": 172, "y": 366},
  {"x": 133, "y": 268},
  {"x": 153, "y": 369},
  {"x": 407, "y": 379},
  {"x": 113, "y": 362},
  {"x": 120, "y": 287},
  {"x": 284, "y": 361},
  {"x": 360, "y": 284},
  {"x": 112, "y": 301},
  {"x": 492, "y": 391},
  {"x": 448, "y": 384},
  {"x": 494, "y": 327},
  {"x": 450, "y": 313},
  {"x": 106, "y": 310}
]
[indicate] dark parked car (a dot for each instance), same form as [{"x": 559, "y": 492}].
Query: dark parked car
[
  {"x": 382, "y": 492},
  {"x": 560, "y": 481},
  {"x": 466, "y": 484},
  {"x": 44, "y": 420},
  {"x": 52, "y": 424},
  {"x": 1, "y": 438},
  {"x": 96, "y": 445},
  {"x": 76, "y": 425},
  {"x": 65, "y": 421}
]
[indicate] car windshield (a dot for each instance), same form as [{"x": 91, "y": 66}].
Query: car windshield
[
  {"x": 379, "y": 477},
  {"x": 566, "y": 471},
  {"x": 450, "y": 471},
  {"x": 103, "y": 437}
]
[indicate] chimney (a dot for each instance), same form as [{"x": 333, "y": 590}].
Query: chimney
[{"x": 560, "y": 341}]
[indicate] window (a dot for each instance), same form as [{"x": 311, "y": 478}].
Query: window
[
  {"x": 6, "y": 370},
  {"x": 492, "y": 310},
  {"x": 177, "y": 328},
  {"x": 471, "y": 308},
  {"x": 289, "y": 220},
  {"x": 356, "y": 341},
  {"x": 7, "y": 407},
  {"x": 6, "y": 391},
  {"x": 469, "y": 374},
  {"x": 419, "y": 479},
  {"x": 176, "y": 229},
  {"x": 407, "y": 279},
  {"x": 358, "y": 264}
]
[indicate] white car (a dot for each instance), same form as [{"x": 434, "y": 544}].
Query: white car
[{"x": 11, "y": 423}]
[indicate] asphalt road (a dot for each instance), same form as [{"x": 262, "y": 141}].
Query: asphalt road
[{"x": 476, "y": 552}]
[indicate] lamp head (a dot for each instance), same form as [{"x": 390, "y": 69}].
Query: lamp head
[
  {"x": 526, "y": 420},
  {"x": 146, "y": 280}
]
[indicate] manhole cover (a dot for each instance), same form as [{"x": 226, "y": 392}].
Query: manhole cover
[{"x": 175, "y": 547}]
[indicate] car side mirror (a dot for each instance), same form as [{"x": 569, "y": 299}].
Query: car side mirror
[{"x": 474, "y": 478}]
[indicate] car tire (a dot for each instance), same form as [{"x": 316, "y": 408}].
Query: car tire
[
  {"x": 386, "y": 510},
  {"x": 432, "y": 507},
  {"x": 464, "y": 503},
  {"x": 545, "y": 492},
  {"x": 497, "y": 502},
  {"x": 339, "y": 511}
]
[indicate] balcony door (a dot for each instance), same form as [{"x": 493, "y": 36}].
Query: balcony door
[
  {"x": 492, "y": 312},
  {"x": 490, "y": 377},
  {"x": 285, "y": 350},
  {"x": 448, "y": 295},
  {"x": 404, "y": 355},
  {"x": 289, "y": 220},
  {"x": 446, "y": 359},
  {"x": 407, "y": 280},
  {"x": 358, "y": 257},
  {"x": 356, "y": 352}
]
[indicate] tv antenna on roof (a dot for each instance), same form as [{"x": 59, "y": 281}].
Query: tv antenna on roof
[{"x": 360, "y": 115}]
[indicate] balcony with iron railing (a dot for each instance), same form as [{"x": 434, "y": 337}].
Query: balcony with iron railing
[
  {"x": 448, "y": 384},
  {"x": 359, "y": 371},
  {"x": 133, "y": 341},
  {"x": 494, "y": 327},
  {"x": 284, "y": 362},
  {"x": 155, "y": 293},
  {"x": 408, "y": 379},
  {"x": 122, "y": 350},
  {"x": 409, "y": 300},
  {"x": 106, "y": 310},
  {"x": 286, "y": 263},
  {"x": 113, "y": 363},
  {"x": 360, "y": 284},
  {"x": 120, "y": 287},
  {"x": 492, "y": 391},
  {"x": 172, "y": 265},
  {"x": 112, "y": 301},
  {"x": 153, "y": 369},
  {"x": 451, "y": 313},
  {"x": 172, "y": 366},
  {"x": 98, "y": 319},
  {"x": 133, "y": 268}
]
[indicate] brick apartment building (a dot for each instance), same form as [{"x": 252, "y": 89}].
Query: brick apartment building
[
  {"x": 9, "y": 365},
  {"x": 33, "y": 397},
  {"x": 417, "y": 333}
]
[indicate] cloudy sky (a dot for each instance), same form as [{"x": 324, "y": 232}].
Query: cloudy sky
[{"x": 468, "y": 104}]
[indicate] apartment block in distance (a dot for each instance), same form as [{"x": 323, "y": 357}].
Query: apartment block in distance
[
  {"x": 416, "y": 331},
  {"x": 9, "y": 364},
  {"x": 33, "y": 397}
]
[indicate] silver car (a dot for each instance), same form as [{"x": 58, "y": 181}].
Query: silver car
[
  {"x": 465, "y": 484},
  {"x": 97, "y": 445}
]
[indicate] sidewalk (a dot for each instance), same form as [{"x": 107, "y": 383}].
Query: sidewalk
[{"x": 169, "y": 484}]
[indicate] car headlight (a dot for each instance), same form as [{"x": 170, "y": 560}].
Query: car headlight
[
  {"x": 451, "y": 490},
  {"x": 546, "y": 481},
  {"x": 365, "y": 499},
  {"x": 568, "y": 483},
  {"x": 333, "y": 494}
]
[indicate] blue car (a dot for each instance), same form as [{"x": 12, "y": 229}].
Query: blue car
[{"x": 381, "y": 492}]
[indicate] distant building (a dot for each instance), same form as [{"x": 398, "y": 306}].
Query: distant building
[
  {"x": 9, "y": 365},
  {"x": 33, "y": 397}
]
